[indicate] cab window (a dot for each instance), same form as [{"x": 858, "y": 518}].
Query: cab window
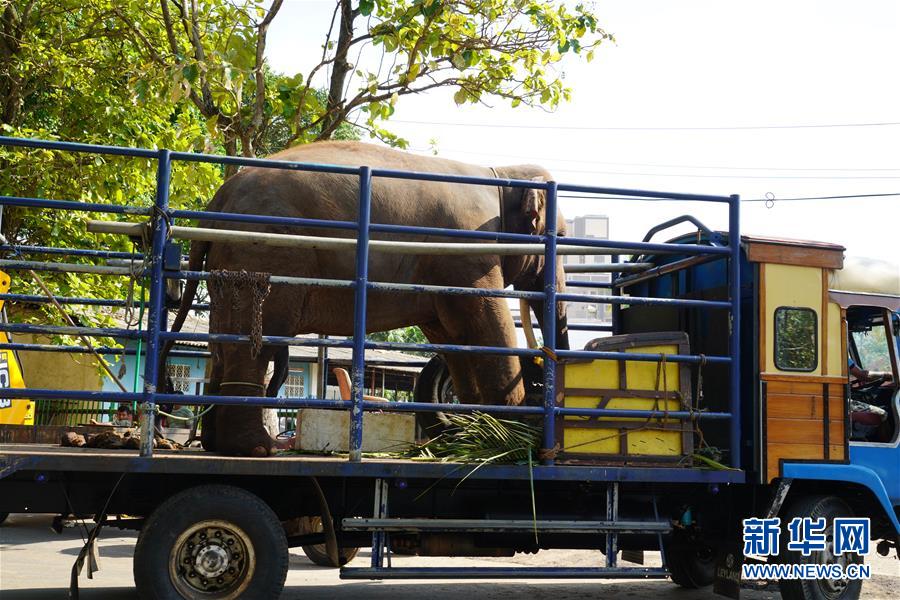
[{"x": 796, "y": 339}]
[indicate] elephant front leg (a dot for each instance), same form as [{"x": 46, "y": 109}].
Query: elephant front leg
[
  {"x": 239, "y": 430},
  {"x": 481, "y": 321}
]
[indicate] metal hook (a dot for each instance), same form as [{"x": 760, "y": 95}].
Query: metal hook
[{"x": 770, "y": 199}]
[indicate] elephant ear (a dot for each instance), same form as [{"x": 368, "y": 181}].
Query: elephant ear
[{"x": 533, "y": 208}]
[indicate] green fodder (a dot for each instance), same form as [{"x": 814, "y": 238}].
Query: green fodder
[{"x": 480, "y": 438}]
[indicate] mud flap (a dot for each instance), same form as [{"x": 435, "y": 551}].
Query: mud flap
[{"x": 728, "y": 571}]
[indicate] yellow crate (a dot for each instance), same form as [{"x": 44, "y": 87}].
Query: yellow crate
[{"x": 616, "y": 384}]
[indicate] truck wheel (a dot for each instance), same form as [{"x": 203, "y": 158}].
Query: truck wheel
[
  {"x": 211, "y": 541},
  {"x": 691, "y": 564},
  {"x": 817, "y": 507},
  {"x": 317, "y": 552},
  {"x": 434, "y": 386}
]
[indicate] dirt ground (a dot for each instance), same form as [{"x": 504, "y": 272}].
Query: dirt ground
[{"x": 35, "y": 563}]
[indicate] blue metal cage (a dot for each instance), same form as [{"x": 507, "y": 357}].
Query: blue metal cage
[{"x": 161, "y": 217}]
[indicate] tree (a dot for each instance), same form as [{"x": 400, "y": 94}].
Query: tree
[
  {"x": 213, "y": 54},
  {"x": 190, "y": 75}
]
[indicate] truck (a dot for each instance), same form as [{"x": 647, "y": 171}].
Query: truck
[{"x": 724, "y": 421}]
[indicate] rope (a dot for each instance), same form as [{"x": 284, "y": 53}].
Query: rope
[
  {"x": 221, "y": 282},
  {"x": 197, "y": 416}
]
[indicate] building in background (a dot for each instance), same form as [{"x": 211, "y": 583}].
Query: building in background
[{"x": 589, "y": 226}]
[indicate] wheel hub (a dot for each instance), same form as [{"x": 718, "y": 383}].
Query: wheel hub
[{"x": 213, "y": 559}]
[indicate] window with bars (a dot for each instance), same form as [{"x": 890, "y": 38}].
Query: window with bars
[
  {"x": 181, "y": 378},
  {"x": 294, "y": 387}
]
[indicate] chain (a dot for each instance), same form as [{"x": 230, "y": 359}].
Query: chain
[{"x": 223, "y": 283}]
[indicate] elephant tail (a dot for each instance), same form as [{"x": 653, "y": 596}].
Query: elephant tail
[{"x": 196, "y": 259}]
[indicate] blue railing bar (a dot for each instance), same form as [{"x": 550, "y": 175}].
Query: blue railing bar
[
  {"x": 345, "y": 170},
  {"x": 233, "y": 338},
  {"x": 640, "y": 300},
  {"x": 452, "y": 348},
  {"x": 308, "y": 281},
  {"x": 641, "y": 194},
  {"x": 73, "y": 395},
  {"x": 156, "y": 315},
  {"x": 677, "y": 221},
  {"x": 67, "y": 330},
  {"x": 358, "y": 370},
  {"x": 37, "y": 299},
  {"x": 643, "y": 357},
  {"x": 403, "y": 407},
  {"x": 77, "y": 147},
  {"x": 97, "y": 349},
  {"x": 378, "y": 286},
  {"x": 673, "y": 267},
  {"x": 624, "y": 413},
  {"x": 497, "y": 236},
  {"x": 645, "y": 247},
  {"x": 35, "y": 265},
  {"x": 588, "y": 284},
  {"x": 549, "y": 331},
  {"x": 74, "y": 205},
  {"x": 69, "y": 251},
  {"x": 734, "y": 325},
  {"x": 264, "y": 163},
  {"x": 277, "y": 164},
  {"x": 351, "y": 225}
]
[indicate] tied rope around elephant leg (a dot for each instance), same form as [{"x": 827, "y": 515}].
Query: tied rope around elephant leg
[{"x": 237, "y": 282}]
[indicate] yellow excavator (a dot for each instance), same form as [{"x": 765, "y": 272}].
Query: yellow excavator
[{"x": 18, "y": 411}]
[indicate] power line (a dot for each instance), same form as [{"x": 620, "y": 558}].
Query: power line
[
  {"x": 772, "y": 199},
  {"x": 586, "y": 128},
  {"x": 711, "y": 176},
  {"x": 660, "y": 165}
]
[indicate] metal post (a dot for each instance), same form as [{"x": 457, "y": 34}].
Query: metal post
[
  {"x": 359, "y": 313},
  {"x": 379, "y": 511},
  {"x": 322, "y": 363},
  {"x": 155, "y": 314},
  {"x": 616, "y": 291},
  {"x": 734, "y": 292},
  {"x": 612, "y": 515},
  {"x": 550, "y": 321}
]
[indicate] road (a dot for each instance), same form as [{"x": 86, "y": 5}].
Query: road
[{"x": 35, "y": 564}]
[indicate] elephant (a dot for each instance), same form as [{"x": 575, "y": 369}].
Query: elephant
[{"x": 290, "y": 310}]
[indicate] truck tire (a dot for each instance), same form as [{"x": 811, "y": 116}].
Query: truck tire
[
  {"x": 433, "y": 386},
  {"x": 211, "y": 541},
  {"x": 317, "y": 553},
  {"x": 815, "y": 507},
  {"x": 691, "y": 564}
]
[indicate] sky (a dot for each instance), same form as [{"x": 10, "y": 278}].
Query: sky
[{"x": 699, "y": 96}]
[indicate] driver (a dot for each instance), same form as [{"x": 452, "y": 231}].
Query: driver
[
  {"x": 865, "y": 418},
  {"x": 864, "y": 376}
]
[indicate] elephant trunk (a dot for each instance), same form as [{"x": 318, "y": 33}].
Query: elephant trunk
[{"x": 562, "y": 325}]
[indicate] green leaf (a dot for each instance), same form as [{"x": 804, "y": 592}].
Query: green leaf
[
  {"x": 460, "y": 96},
  {"x": 366, "y": 7}
]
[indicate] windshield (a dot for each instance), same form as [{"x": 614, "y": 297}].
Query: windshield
[{"x": 873, "y": 349}]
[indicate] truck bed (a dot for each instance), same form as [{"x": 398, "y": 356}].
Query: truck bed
[{"x": 45, "y": 457}]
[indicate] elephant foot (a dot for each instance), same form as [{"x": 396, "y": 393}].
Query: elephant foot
[{"x": 240, "y": 432}]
